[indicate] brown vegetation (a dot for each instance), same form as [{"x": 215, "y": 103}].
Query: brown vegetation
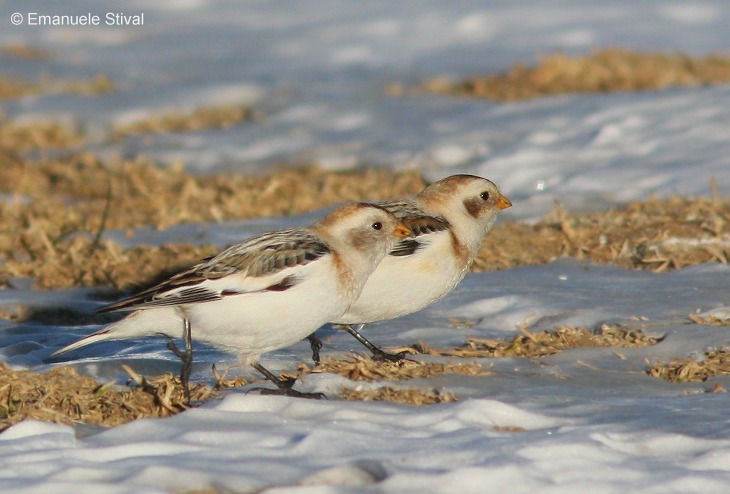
[
  {"x": 712, "y": 363},
  {"x": 604, "y": 71},
  {"x": 529, "y": 344},
  {"x": 217, "y": 117}
]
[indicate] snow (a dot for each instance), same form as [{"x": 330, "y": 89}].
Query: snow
[{"x": 584, "y": 419}]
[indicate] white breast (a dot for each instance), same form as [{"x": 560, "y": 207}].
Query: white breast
[{"x": 403, "y": 285}]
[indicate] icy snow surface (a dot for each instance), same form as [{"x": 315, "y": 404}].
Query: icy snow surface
[{"x": 317, "y": 72}]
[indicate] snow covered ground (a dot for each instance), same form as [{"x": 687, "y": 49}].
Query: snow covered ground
[{"x": 317, "y": 71}]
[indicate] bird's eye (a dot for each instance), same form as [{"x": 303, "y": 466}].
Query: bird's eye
[
  {"x": 484, "y": 195},
  {"x": 377, "y": 225}
]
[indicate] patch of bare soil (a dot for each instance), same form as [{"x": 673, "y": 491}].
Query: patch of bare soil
[{"x": 604, "y": 71}]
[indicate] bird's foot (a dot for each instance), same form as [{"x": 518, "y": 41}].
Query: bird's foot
[
  {"x": 383, "y": 356},
  {"x": 284, "y": 386},
  {"x": 290, "y": 392}
]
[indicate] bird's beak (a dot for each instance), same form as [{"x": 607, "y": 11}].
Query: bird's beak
[
  {"x": 402, "y": 231},
  {"x": 503, "y": 202}
]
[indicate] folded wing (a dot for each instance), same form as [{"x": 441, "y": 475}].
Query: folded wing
[
  {"x": 420, "y": 222},
  {"x": 265, "y": 263}
]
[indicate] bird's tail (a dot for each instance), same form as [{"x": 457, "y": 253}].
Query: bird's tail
[
  {"x": 104, "y": 334},
  {"x": 164, "y": 320}
]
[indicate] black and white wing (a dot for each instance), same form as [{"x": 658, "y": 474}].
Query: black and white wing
[
  {"x": 264, "y": 263},
  {"x": 420, "y": 222}
]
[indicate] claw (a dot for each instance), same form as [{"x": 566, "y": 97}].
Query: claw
[
  {"x": 382, "y": 356},
  {"x": 284, "y": 386}
]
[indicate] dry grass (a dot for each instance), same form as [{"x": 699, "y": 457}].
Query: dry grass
[
  {"x": 49, "y": 233},
  {"x": 25, "y": 51},
  {"x": 709, "y": 319},
  {"x": 19, "y": 138},
  {"x": 81, "y": 263},
  {"x": 145, "y": 194},
  {"x": 657, "y": 235},
  {"x": 52, "y": 236},
  {"x": 604, "y": 71},
  {"x": 99, "y": 84},
  {"x": 220, "y": 117},
  {"x": 545, "y": 343},
  {"x": 13, "y": 88},
  {"x": 365, "y": 368},
  {"x": 62, "y": 396},
  {"x": 416, "y": 397},
  {"x": 712, "y": 363}
]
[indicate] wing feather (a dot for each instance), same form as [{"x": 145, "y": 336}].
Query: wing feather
[
  {"x": 419, "y": 221},
  {"x": 405, "y": 247},
  {"x": 258, "y": 260}
]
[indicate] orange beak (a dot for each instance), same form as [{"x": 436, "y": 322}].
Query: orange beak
[
  {"x": 402, "y": 231},
  {"x": 503, "y": 202}
]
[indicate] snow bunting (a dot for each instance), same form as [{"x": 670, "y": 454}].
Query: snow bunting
[
  {"x": 449, "y": 219},
  {"x": 266, "y": 292}
]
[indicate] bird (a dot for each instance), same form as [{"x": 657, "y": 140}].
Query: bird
[
  {"x": 449, "y": 220},
  {"x": 264, "y": 293}
]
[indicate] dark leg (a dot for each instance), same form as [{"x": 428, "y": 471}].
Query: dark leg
[
  {"x": 284, "y": 387},
  {"x": 378, "y": 354},
  {"x": 316, "y": 344},
  {"x": 218, "y": 377},
  {"x": 187, "y": 360},
  {"x": 186, "y": 357}
]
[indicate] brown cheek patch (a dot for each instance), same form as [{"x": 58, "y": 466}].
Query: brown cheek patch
[
  {"x": 361, "y": 240},
  {"x": 473, "y": 206}
]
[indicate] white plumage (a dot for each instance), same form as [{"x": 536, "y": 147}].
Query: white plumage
[
  {"x": 450, "y": 219},
  {"x": 267, "y": 292}
]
